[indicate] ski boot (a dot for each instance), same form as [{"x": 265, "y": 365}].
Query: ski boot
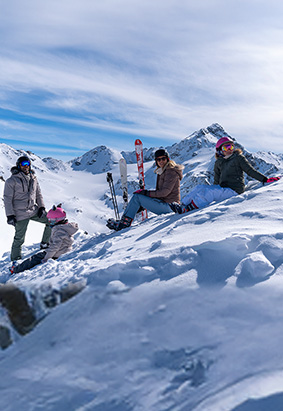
[
  {"x": 14, "y": 265},
  {"x": 182, "y": 208},
  {"x": 118, "y": 225}
]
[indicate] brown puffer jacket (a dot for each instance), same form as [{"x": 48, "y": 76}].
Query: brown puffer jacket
[
  {"x": 22, "y": 195},
  {"x": 61, "y": 239},
  {"x": 168, "y": 183}
]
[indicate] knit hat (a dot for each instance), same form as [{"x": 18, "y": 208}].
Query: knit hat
[
  {"x": 161, "y": 152},
  {"x": 56, "y": 214}
]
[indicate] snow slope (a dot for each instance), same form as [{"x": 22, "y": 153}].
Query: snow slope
[{"x": 181, "y": 312}]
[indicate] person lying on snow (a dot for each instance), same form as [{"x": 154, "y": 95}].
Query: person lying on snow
[
  {"x": 61, "y": 241},
  {"x": 229, "y": 169},
  {"x": 169, "y": 175}
]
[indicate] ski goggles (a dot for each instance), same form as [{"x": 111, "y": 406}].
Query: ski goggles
[
  {"x": 52, "y": 221},
  {"x": 161, "y": 158},
  {"x": 227, "y": 147},
  {"x": 25, "y": 163}
]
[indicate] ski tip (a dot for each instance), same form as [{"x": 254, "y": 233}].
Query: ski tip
[{"x": 137, "y": 142}]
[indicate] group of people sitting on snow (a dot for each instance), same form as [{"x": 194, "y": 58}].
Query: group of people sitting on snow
[
  {"x": 229, "y": 169},
  {"x": 23, "y": 200}
]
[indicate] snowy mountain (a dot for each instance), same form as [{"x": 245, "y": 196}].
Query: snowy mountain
[
  {"x": 196, "y": 152},
  {"x": 98, "y": 160},
  {"x": 180, "y": 312}
]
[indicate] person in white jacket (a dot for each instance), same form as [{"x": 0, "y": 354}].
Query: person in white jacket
[{"x": 61, "y": 240}]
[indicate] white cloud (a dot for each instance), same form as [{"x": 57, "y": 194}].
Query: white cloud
[{"x": 160, "y": 68}]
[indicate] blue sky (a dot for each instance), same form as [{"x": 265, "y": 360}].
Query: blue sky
[{"x": 78, "y": 74}]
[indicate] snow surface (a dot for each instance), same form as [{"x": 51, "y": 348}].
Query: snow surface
[{"x": 180, "y": 312}]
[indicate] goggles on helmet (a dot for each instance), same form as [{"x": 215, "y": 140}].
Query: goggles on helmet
[
  {"x": 52, "y": 221},
  {"x": 228, "y": 146},
  {"x": 25, "y": 163}
]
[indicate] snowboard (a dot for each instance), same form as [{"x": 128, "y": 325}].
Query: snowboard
[
  {"x": 124, "y": 184},
  {"x": 139, "y": 155}
]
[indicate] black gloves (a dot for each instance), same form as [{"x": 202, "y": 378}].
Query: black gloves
[
  {"x": 264, "y": 180},
  {"x": 41, "y": 212},
  {"x": 11, "y": 219}
]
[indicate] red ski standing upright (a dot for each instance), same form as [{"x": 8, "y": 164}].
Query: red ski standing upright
[{"x": 139, "y": 155}]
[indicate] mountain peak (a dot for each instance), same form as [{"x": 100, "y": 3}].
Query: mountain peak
[{"x": 98, "y": 160}]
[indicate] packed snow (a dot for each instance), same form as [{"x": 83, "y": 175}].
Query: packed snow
[{"x": 180, "y": 312}]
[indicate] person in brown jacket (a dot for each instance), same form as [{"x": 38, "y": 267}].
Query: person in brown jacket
[
  {"x": 23, "y": 202},
  {"x": 169, "y": 175}
]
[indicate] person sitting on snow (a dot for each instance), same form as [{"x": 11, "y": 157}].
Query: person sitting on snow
[
  {"x": 169, "y": 175},
  {"x": 61, "y": 240},
  {"x": 229, "y": 169}
]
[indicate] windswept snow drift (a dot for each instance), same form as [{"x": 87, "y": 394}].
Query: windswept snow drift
[{"x": 180, "y": 312}]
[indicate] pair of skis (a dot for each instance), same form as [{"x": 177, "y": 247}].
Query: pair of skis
[
  {"x": 124, "y": 184},
  {"x": 139, "y": 155}
]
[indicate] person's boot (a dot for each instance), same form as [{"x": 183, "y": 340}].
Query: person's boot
[
  {"x": 176, "y": 207},
  {"x": 190, "y": 207},
  {"x": 43, "y": 245},
  {"x": 118, "y": 225},
  {"x": 182, "y": 208},
  {"x": 12, "y": 269}
]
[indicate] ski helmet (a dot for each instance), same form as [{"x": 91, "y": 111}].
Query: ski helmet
[
  {"x": 56, "y": 214},
  {"x": 21, "y": 160},
  {"x": 222, "y": 141}
]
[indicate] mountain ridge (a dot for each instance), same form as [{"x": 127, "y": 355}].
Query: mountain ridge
[{"x": 196, "y": 152}]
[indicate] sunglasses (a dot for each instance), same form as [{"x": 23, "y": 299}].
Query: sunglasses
[
  {"x": 227, "y": 147},
  {"x": 25, "y": 163},
  {"x": 161, "y": 159}
]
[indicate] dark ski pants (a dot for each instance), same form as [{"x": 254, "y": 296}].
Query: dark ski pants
[
  {"x": 21, "y": 229},
  {"x": 30, "y": 262}
]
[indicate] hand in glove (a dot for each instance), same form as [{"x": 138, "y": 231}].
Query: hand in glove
[
  {"x": 142, "y": 192},
  {"x": 41, "y": 212},
  {"x": 272, "y": 179},
  {"x": 11, "y": 219}
]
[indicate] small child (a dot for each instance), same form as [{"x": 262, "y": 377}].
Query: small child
[{"x": 61, "y": 241}]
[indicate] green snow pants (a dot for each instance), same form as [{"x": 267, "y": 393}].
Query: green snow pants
[{"x": 20, "y": 234}]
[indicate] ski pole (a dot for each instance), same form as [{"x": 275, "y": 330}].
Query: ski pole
[{"x": 113, "y": 195}]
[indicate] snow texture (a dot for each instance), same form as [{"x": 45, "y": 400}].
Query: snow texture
[{"x": 180, "y": 312}]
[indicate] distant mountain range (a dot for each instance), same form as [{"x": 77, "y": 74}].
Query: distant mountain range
[{"x": 195, "y": 152}]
